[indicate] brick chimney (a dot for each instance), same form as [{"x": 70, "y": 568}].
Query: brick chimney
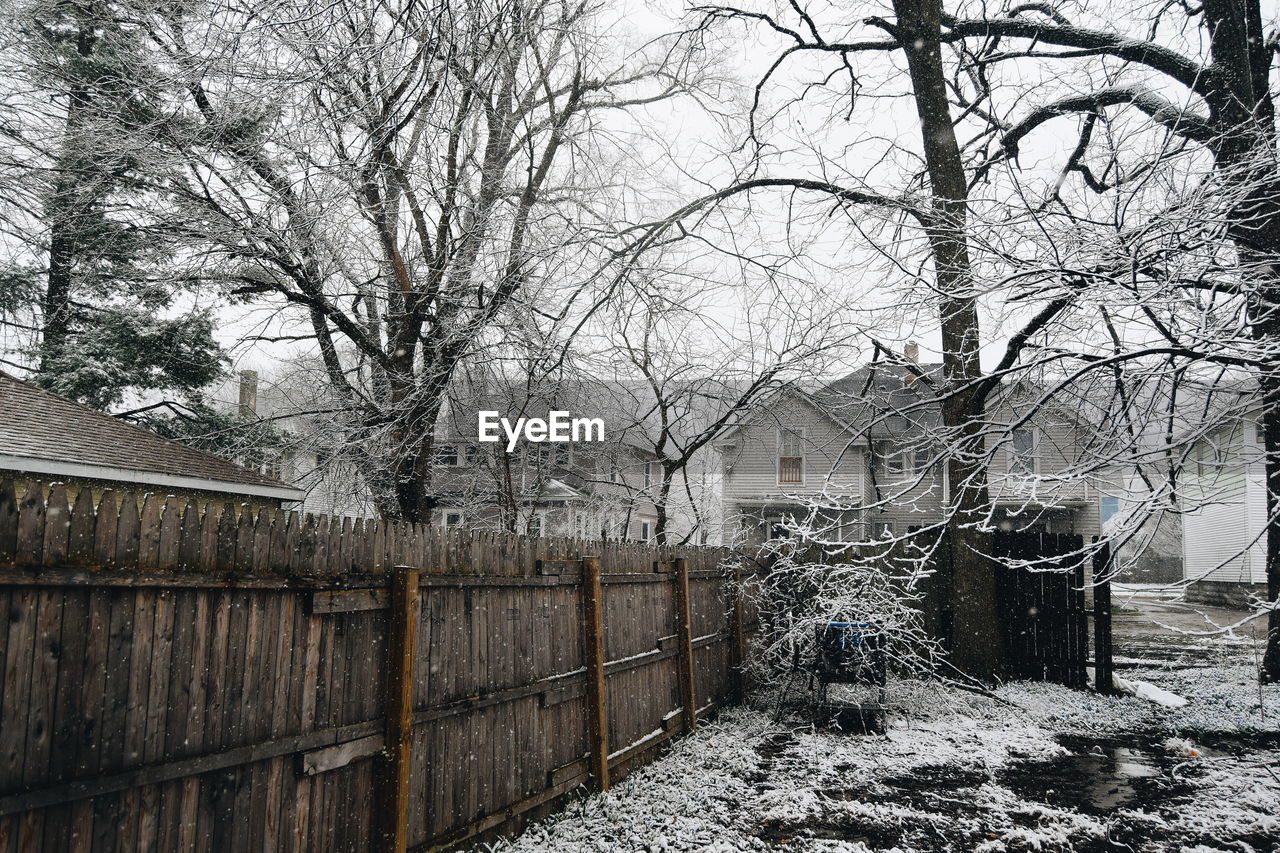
[
  {"x": 248, "y": 393},
  {"x": 911, "y": 354}
]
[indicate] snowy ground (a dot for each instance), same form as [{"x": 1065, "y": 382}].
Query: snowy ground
[{"x": 1041, "y": 768}]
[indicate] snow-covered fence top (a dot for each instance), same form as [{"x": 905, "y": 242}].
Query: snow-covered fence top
[{"x": 180, "y": 676}]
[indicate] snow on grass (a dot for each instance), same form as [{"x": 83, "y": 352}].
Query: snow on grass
[{"x": 946, "y": 777}]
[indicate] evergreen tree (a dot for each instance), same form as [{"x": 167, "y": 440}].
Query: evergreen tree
[{"x": 90, "y": 118}]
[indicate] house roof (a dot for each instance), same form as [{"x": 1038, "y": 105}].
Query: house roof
[
  {"x": 42, "y": 433},
  {"x": 879, "y": 398},
  {"x": 809, "y": 398}
]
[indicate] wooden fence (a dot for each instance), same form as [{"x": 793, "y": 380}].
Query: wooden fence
[
  {"x": 180, "y": 677},
  {"x": 1040, "y": 579}
]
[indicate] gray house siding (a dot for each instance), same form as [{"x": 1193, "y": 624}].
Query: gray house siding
[{"x": 839, "y": 463}]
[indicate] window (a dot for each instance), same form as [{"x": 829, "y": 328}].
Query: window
[
  {"x": 882, "y": 529},
  {"x": 471, "y": 454},
  {"x": 453, "y": 519},
  {"x": 1108, "y": 507},
  {"x": 273, "y": 466},
  {"x": 895, "y": 460},
  {"x": 1022, "y": 453},
  {"x": 790, "y": 456},
  {"x": 615, "y": 471},
  {"x": 646, "y": 531},
  {"x": 447, "y": 454},
  {"x": 648, "y": 474},
  {"x": 535, "y": 525}
]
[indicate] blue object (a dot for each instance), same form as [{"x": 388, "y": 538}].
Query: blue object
[{"x": 850, "y": 652}]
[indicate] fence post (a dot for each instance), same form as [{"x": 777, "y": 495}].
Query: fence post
[
  {"x": 738, "y": 638},
  {"x": 402, "y": 633},
  {"x": 1103, "y": 669},
  {"x": 684, "y": 638},
  {"x": 593, "y": 654}
]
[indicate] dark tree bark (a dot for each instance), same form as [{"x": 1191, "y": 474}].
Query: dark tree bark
[
  {"x": 1246, "y": 154},
  {"x": 61, "y": 212},
  {"x": 976, "y": 635}
]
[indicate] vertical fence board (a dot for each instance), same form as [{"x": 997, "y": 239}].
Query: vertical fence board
[
  {"x": 31, "y": 515},
  {"x": 684, "y": 639},
  {"x": 57, "y": 527},
  {"x": 128, "y": 532},
  {"x": 593, "y": 657},
  {"x": 80, "y": 541},
  {"x": 8, "y": 522}
]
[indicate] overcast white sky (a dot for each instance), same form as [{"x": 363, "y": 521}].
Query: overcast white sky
[{"x": 678, "y": 150}]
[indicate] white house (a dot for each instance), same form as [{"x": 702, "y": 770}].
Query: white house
[{"x": 1224, "y": 527}]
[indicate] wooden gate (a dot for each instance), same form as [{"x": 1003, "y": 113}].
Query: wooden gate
[{"x": 1041, "y": 595}]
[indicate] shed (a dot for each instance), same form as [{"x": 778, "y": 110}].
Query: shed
[{"x": 45, "y": 437}]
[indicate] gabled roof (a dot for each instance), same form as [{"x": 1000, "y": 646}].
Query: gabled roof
[
  {"x": 879, "y": 398},
  {"x": 808, "y": 398},
  {"x": 42, "y": 433}
]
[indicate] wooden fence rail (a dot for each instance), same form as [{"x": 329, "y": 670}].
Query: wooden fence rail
[{"x": 185, "y": 676}]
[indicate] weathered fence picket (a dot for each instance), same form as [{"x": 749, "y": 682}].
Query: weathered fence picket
[
  {"x": 1041, "y": 587},
  {"x": 188, "y": 675}
]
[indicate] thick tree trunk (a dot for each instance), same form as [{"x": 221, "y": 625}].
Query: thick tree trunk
[
  {"x": 61, "y": 212},
  {"x": 1246, "y": 156},
  {"x": 56, "y": 305},
  {"x": 412, "y": 445},
  {"x": 661, "y": 507},
  {"x": 976, "y": 635},
  {"x": 1270, "y": 673}
]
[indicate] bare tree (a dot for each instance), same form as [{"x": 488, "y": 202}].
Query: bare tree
[
  {"x": 953, "y": 289},
  {"x": 1228, "y": 111},
  {"x": 684, "y": 372},
  {"x": 405, "y": 177}
]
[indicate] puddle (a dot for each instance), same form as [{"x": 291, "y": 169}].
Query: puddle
[{"x": 1099, "y": 776}]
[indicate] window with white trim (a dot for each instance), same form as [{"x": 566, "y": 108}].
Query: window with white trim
[
  {"x": 894, "y": 459},
  {"x": 790, "y": 456},
  {"x": 1023, "y": 459}
]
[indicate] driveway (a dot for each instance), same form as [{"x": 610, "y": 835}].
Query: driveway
[{"x": 1153, "y": 625}]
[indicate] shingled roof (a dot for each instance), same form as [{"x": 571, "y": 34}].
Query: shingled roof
[{"x": 42, "y": 433}]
